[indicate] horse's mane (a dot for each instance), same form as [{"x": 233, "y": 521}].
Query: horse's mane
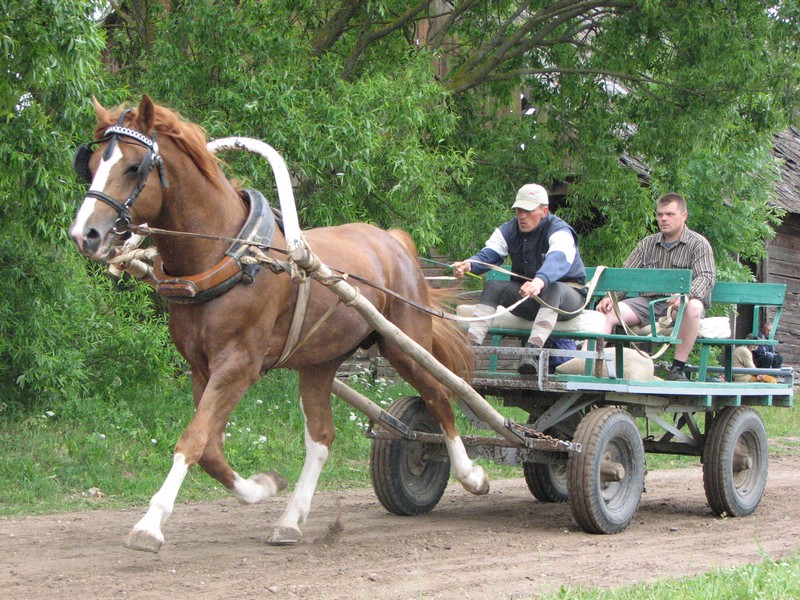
[{"x": 189, "y": 137}]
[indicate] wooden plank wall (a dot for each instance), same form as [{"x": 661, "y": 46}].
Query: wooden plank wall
[{"x": 782, "y": 266}]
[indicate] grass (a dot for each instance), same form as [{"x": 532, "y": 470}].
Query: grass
[
  {"x": 112, "y": 453},
  {"x": 770, "y": 580}
]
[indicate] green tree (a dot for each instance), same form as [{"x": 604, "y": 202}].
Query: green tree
[
  {"x": 354, "y": 95},
  {"x": 60, "y": 339},
  {"x": 402, "y": 114}
]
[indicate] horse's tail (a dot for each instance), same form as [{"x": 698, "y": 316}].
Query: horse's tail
[{"x": 450, "y": 345}]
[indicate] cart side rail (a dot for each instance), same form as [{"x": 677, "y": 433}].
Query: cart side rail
[{"x": 761, "y": 297}]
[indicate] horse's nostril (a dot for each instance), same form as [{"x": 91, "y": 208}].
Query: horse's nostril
[{"x": 91, "y": 240}]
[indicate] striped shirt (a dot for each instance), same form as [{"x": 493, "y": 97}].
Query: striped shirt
[{"x": 692, "y": 251}]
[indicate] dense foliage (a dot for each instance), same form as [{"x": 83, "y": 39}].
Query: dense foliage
[{"x": 402, "y": 114}]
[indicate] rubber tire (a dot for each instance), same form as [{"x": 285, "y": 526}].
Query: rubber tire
[
  {"x": 735, "y": 493},
  {"x": 405, "y": 482},
  {"x": 597, "y": 508},
  {"x": 547, "y": 482}
]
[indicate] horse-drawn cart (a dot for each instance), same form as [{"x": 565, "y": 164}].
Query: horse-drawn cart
[
  {"x": 233, "y": 320},
  {"x": 611, "y": 414}
]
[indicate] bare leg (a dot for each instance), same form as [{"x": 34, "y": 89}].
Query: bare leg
[
  {"x": 690, "y": 327},
  {"x": 627, "y": 314}
]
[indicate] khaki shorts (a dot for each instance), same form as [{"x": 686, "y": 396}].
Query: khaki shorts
[{"x": 640, "y": 305}]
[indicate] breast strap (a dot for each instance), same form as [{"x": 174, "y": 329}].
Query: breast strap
[{"x": 258, "y": 229}]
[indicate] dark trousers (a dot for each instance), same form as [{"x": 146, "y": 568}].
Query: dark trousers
[
  {"x": 768, "y": 360},
  {"x": 558, "y": 295}
]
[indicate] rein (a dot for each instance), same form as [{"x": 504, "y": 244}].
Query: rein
[
  {"x": 258, "y": 255},
  {"x": 589, "y": 290}
]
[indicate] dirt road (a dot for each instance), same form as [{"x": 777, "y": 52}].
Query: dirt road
[{"x": 504, "y": 545}]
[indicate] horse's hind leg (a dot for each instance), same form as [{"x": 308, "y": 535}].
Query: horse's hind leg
[
  {"x": 315, "y": 400},
  {"x": 437, "y": 400}
]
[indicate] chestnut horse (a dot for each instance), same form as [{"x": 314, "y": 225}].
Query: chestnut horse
[{"x": 148, "y": 165}]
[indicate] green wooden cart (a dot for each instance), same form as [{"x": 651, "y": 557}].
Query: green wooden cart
[{"x": 589, "y": 430}]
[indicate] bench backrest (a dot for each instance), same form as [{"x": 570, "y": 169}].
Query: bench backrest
[
  {"x": 757, "y": 295},
  {"x": 645, "y": 281},
  {"x": 633, "y": 281}
]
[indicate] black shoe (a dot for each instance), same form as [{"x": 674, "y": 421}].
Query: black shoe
[
  {"x": 528, "y": 364},
  {"x": 677, "y": 374}
]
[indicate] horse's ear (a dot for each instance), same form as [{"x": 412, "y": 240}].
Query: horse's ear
[
  {"x": 147, "y": 113},
  {"x": 102, "y": 113}
]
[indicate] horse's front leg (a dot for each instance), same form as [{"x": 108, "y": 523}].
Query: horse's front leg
[
  {"x": 201, "y": 442},
  {"x": 146, "y": 535},
  {"x": 315, "y": 400}
]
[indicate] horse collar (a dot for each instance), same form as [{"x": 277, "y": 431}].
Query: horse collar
[{"x": 258, "y": 229}]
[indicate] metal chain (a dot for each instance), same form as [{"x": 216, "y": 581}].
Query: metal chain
[{"x": 534, "y": 433}]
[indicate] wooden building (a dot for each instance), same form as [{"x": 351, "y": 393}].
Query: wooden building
[{"x": 782, "y": 264}]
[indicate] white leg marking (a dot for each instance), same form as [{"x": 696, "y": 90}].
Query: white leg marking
[
  {"x": 300, "y": 503},
  {"x": 472, "y": 477},
  {"x": 163, "y": 501}
]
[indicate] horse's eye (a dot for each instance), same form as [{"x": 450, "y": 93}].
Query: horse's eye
[{"x": 132, "y": 170}]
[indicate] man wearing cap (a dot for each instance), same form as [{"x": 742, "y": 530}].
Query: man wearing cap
[{"x": 546, "y": 263}]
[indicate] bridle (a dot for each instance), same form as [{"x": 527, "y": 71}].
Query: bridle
[{"x": 112, "y": 135}]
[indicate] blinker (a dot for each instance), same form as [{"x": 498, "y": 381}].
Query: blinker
[
  {"x": 146, "y": 165},
  {"x": 80, "y": 163}
]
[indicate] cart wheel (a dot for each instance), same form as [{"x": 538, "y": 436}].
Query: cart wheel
[
  {"x": 606, "y": 478},
  {"x": 735, "y": 461},
  {"x": 547, "y": 482},
  {"x": 410, "y": 477}
]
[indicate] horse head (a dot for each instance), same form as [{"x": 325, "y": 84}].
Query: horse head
[{"x": 118, "y": 164}]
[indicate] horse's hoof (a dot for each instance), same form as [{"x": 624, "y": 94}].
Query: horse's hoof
[
  {"x": 284, "y": 536},
  {"x": 138, "y": 539},
  {"x": 276, "y": 479},
  {"x": 478, "y": 482}
]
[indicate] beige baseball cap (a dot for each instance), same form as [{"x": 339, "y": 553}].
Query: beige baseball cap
[{"x": 530, "y": 196}]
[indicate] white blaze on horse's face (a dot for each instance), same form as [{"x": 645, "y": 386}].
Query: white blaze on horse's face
[{"x": 90, "y": 233}]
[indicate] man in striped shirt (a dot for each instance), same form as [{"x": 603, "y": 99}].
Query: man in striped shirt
[{"x": 674, "y": 247}]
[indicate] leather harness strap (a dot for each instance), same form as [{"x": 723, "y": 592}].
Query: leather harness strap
[{"x": 259, "y": 228}]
